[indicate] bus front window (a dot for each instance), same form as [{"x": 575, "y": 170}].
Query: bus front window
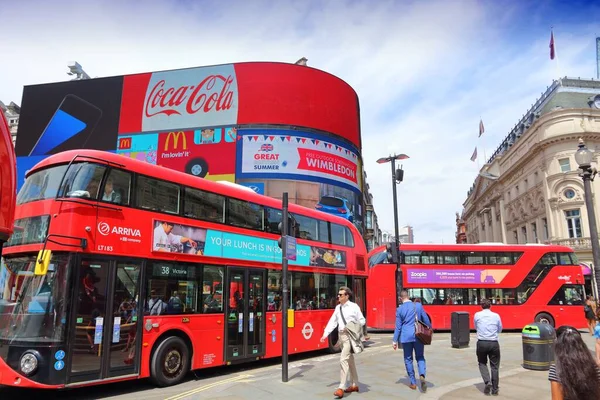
[{"x": 33, "y": 307}]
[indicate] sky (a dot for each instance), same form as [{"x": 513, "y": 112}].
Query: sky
[{"x": 425, "y": 71}]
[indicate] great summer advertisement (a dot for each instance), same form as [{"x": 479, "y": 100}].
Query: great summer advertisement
[
  {"x": 293, "y": 154},
  {"x": 177, "y": 238}
]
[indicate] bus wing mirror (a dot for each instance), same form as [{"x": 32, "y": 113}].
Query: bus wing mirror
[{"x": 42, "y": 262}]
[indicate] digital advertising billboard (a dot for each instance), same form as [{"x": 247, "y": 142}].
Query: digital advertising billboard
[{"x": 204, "y": 121}]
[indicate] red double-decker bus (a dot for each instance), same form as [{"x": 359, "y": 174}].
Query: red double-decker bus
[
  {"x": 119, "y": 269},
  {"x": 526, "y": 283}
]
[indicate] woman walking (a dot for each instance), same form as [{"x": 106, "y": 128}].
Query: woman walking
[
  {"x": 575, "y": 376},
  {"x": 589, "y": 309}
]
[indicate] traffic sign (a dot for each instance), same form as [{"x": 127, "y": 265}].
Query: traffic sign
[{"x": 291, "y": 248}]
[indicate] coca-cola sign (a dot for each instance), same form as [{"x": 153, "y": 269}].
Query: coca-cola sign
[{"x": 191, "y": 98}]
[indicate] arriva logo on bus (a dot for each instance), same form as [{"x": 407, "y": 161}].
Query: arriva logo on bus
[{"x": 105, "y": 229}]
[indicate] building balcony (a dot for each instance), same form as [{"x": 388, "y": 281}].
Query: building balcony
[{"x": 584, "y": 243}]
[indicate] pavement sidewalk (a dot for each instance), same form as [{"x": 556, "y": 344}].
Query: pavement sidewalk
[{"x": 452, "y": 374}]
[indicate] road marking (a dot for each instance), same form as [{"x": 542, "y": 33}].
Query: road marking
[{"x": 210, "y": 386}]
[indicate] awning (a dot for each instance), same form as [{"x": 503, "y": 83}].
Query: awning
[{"x": 586, "y": 269}]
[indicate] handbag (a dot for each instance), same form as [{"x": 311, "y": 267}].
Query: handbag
[{"x": 422, "y": 332}]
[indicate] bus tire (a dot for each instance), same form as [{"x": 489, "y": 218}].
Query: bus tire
[
  {"x": 170, "y": 362},
  {"x": 544, "y": 318},
  {"x": 333, "y": 339}
]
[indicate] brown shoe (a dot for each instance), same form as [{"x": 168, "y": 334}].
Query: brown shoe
[
  {"x": 413, "y": 387},
  {"x": 353, "y": 388},
  {"x": 339, "y": 393}
]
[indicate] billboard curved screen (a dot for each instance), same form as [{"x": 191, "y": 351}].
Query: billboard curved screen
[{"x": 189, "y": 119}]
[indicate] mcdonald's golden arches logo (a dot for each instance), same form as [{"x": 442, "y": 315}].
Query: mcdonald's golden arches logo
[
  {"x": 124, "y": 143},
  {"x": 175, "y": 139}
]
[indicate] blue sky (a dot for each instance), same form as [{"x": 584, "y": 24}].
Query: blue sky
[{"x": 424, "y": 71}]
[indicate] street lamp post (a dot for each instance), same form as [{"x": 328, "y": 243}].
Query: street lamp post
[
  {"x": 397, "y": 176},
  {"x": 584, "y": 157}
]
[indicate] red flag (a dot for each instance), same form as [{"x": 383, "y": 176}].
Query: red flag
[
  {"x": 481, "y": 128},
  {"x": 552, "y": 51},
  {"x": 474, "y": 156}
]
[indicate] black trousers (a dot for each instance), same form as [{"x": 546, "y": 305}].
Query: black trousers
[{"x": 489, "y": 349}]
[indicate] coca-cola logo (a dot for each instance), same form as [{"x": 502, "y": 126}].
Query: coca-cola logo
[{"x": 212, "y": 93}]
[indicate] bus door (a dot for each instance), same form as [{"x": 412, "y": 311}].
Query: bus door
[
  {"x": 245, "y": 313},
  {"x": 358, "y": 288},
  {"x": 105, "y": 341}
]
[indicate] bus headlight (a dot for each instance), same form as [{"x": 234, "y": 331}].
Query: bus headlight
[{"x": 29, "y": 363}]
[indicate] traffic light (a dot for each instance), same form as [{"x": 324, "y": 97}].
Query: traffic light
[
  {"x": 280, "y": 240},
  {"x": 392, "y": 253},
  {"x": 291, "y": 231},
  {"x": 399, "y": 175}
]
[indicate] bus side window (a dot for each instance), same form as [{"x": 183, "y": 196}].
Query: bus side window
[
  {"x": 548, "y": 259},
  {"x": 117, "y": 187}
]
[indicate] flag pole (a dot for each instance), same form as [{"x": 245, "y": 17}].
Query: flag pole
[
  {"x": 553, "y": 43},
  {"x": 480, "y": 142},
  {"x": 481, "y": 131}
]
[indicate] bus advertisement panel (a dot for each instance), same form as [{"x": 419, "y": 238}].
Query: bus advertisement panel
[
  {"x": 526, "y": 283},
  {"x": 141, "y": 254}
]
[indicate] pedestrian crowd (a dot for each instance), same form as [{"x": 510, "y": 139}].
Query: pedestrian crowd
[{"x": 574, "y": 375}]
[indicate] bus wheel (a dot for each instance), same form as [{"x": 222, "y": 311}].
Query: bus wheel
[
  {"x": 544, "y": 318},
  {"x": 333, "y": 339},
  {"x": 170, "y": 362}
]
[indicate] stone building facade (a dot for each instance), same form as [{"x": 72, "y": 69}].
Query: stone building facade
[
  {"x": 11, "y": 112},
  {"x": 530, "y": 190}
]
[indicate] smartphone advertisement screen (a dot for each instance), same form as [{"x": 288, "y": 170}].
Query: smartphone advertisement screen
[
  {"x": 69, "y": 115},
  {"x": 75, "y": 118}
]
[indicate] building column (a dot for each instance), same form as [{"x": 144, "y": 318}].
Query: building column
[
  {"x": 502, "y": 221},
  {"x": 494, "y": 226},
  {"x": 551, "y": 209},
  {"x": 479, "y": 230}
]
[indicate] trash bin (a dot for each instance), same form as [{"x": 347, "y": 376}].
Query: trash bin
[
  {"x": 460, "y": 332},
  {"x": 538, "y": 350}
]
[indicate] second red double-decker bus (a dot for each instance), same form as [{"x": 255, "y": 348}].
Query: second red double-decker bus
[
  {"x": 526, "y": 283},
  {"x": 119, "y": 269}
]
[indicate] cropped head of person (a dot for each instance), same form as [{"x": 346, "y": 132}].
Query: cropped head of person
[
  {"x": 486, "y": 304},
  {"x": 575, "y": 365},
  {"x": 344, "y": 294}
]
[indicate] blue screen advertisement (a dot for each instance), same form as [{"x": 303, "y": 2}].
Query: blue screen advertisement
[
  {"x": 242, "y": 247},
  {"x": 185, "y": 239}
]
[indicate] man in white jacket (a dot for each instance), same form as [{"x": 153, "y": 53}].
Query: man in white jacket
[{"x": 346, "y": 312}]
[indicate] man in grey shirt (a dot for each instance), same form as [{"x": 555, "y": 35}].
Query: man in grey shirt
[{"x": 488, "y": 326}]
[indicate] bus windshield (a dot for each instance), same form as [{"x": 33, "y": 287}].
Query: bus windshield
[
  {"x": 41, "y": 185},
  {"x": 33, "y": 307}
]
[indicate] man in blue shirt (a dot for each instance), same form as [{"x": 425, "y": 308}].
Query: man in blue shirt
[
  {"x": 405, "y": 334},
  {"x": 488, "y": 325}
]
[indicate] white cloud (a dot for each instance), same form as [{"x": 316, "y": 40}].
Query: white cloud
[{"x": 424, "y": 71}]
